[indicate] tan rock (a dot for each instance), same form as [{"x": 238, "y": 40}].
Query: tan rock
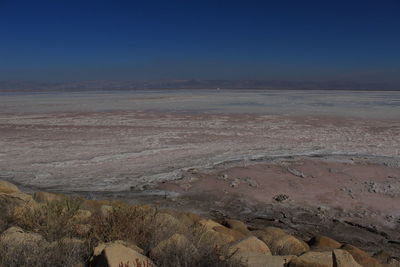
[
  {"x": 255, "y": 259},
  {"x": 106, "y": 210},
  {"x": 223, "y": 230},
  {"x": 360, "y": 256},
  {"x": 281, "y": 243},
  {"x": 288, "y": 245},
  {"x": 8, "y": 188},
  {"x": 342, "y": 258},
  {"x": 249, "y": 244},
  {"x": 237, "y": 226},
  {"x": 268, "y": 234},
  {"x": 93, "y": 205},
  {"x": 193, "y": 217},
  {"x": 175, "y": 242},
  {"x": 15, "y": 236},
  {"x": 208, "y": 224},
  {"x": 130, "y": 245},
  {"x": 42, "y": 197},
  {"x": 217, "y": 238},
  {"x": 324, "y": 242},
  {"x": 313, "y": 259},
  {"x": 114, "y": 254},
  {"x": 10, "y": 201},
  {"x": 216, "y": 233},
  {"x": 100, "y": 247},
  {"x": 186, "y": 218},
  {"x": 164, "y": 220},
  {"x": 81, "y": 216}
]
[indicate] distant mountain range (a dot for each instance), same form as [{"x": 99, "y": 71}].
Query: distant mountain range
[{"x": 102, "y": 85}]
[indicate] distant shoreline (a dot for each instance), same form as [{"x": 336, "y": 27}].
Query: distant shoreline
[
  {"x": 195, "y": 84},
  {"x": 200, "y": 89}
]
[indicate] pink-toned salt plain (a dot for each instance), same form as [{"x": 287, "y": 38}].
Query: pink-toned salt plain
[{"x": 343, "y": 151}]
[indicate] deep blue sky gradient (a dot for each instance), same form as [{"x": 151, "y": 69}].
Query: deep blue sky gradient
[{"x": 248, "y": 39}]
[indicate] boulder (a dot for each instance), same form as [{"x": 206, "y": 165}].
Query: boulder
[
  {"x": 323, "y": 242},
  {"x": 116, "y": 255},
  {"x": 208, "y": 224},
  {"x": 237, "y": 226},
  {"x": 93, "y": 206},
  {"x": 193, "y": 217},
  {"x": 223, "y": 230},
  {"x": 81, "y": 216},
  {"x": 342, "y": 258},
  {"x": 186, "y": 218},
  {"x": 216, "y": 233},
  {"x": 100, "y": 247},
  {"x": 43, "y": 197},
  {"x": 313, "y": 259},
  {"x": 217, "y": 238},
  {"x": 289, "y": 245},
  {"x": 8, "y": 188},
  {"x": 175, "y": 242},
  {"x": 15, "y": 236},
  {"x": 106, "y": 210},
  {"x": 255, "y": 259},
  {"x": 360, "y": 256},
  {"x": 269, "y": 233},
  {"x": 167, "y": 221},
  {"x": 249, "y": 244},
  {"x": 281, "y": 243},
  {"x": 10, "y": 201}
]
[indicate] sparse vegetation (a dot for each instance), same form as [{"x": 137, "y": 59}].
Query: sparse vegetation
[
  {"x": 43, "y": 254},
  {"x": 141, "y": 225},
  {"x": 70, "y": 231},
  {"x": 52, "y": 219}
]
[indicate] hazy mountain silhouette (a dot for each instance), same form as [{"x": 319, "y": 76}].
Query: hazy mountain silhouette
[{"x": 26, "y": 86}]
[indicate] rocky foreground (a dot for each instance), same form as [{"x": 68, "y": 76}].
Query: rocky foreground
[{"x": 46, "y": 229}]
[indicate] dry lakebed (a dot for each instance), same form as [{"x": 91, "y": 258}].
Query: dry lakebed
[{"x": 271, "y": 158}]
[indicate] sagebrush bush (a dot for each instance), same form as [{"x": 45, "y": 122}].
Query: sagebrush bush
[
  {"x": 124, "y": 222},
  {"x": 43, "y": 254},
  {"x": 53, "y": 219},
  {"x": 202, "y": 253},
  {"x": 144, "y": 226}
]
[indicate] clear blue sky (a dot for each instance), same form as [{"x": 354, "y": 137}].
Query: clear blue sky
[{"x": 126, "y": 40}]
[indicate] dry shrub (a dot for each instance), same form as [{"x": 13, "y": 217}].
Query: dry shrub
[
  {"x": 203, "y": 253},
  {"x": 43, "y": 254},
  {"x": 124, "y": 222},
  {"x": 51, "y": 219},
  {"x": 143, "y": 226}
]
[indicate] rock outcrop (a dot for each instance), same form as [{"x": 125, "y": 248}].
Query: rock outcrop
[
  {"x": 313, "y": 259},
  {"x": 323, "y": 242},
  {"x": 361, "y": 256},
  {"x": 281, "y": 243},
  {"x": 8, "y": 188},
  {"x": 116, "y": 255},
  {"x": 249, "y": 244},
  {"x": 175, "y": 242}
]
